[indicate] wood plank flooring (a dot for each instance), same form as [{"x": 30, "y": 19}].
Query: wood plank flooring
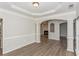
[
  {"x": 51, "y": 48},
  {"x": 0, "y": 52}
]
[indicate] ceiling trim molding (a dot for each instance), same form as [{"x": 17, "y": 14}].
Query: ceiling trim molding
[
  {"x": 21, "y": 9},
  {"x": 15, "y": 13},
  {"x": 63, "y": 16},
  {"x": 36, "y": 14}
]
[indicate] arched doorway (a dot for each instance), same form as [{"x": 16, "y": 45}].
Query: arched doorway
[
  {"x": 51, "y": 30},
  {"x": 69, "y": 17},
  {"x": 44, "y": 32}
]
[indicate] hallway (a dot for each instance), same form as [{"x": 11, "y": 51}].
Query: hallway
[{"x": 52, "y": 48}]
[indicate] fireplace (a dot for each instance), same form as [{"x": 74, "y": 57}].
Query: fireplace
[{"x": 45, "y": 32}]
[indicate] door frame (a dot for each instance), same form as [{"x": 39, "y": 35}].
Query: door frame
[
  {"x": 60, "y": 32},
  {"x": 1, "y": 20}
]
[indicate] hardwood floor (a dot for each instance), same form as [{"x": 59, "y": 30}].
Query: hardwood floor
[
  {"x": 51, "y": 48},
  {"x": 44, "y": 39},
  {"x": 0, "y": 52},
  {"x": 63, "y": 40}
]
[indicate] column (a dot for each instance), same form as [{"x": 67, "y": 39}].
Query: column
[
  {"x": 77, "y": 37},
  {"x": 70, "y": 35},
  {"x": 38, "y": 32}
]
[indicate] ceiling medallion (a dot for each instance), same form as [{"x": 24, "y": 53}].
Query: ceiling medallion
[{"x": 36, "y": 4}]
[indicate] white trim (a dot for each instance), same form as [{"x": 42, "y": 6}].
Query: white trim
[
  {"x": 77, "y": 53},
  {"x": 31, "y": 15},
  {"x": 19, "y": 36},
  {"x": 70, "y": 50},
  {"x": 15, "y": 13},
  {"x": 16, "y": 37},
  {"x": 21, "y": 9},
  {"x": 61, "y": 14},
  {"x": 17, "y": 48},
  {"x": 44, "y": 13},
  {"x": 35, "y": 14}
]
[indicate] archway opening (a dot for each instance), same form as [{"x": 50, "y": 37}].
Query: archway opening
[
  {"x": 54, "y": 30},
  {"x": 63, "y": 34},
  {"x": 44, "y": 32}
]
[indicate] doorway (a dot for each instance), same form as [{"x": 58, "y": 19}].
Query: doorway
[
  {"x": 44, "y": 32},
  {"x": 63, "y": 34},
  {"x": 1, "y": 35}
]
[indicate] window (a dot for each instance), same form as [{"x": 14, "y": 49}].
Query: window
[{"x": 51, "y": 27}]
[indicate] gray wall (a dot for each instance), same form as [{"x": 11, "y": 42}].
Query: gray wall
[{"x": 63, "y": 29}]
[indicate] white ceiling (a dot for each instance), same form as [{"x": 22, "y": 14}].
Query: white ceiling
[{"x": 45, "y": 8}]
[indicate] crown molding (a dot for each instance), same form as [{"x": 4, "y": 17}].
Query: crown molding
[
  {"x": 63, "y": 16},
  {"x": 14, "y": 13},
  {"x": 31, "y": 15},
  {"x": 35, "y": 14}
]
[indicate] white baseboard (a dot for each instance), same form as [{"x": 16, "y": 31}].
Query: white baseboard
[
  {"x": 37, "y": 41},
  {"x": 71, "y": 50},
  {"x": 16, "y": 42},
  {"x": 77, "y": 53},
  {"x": 54, "y": 39},
  {"x": 16, "y": 48}
]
